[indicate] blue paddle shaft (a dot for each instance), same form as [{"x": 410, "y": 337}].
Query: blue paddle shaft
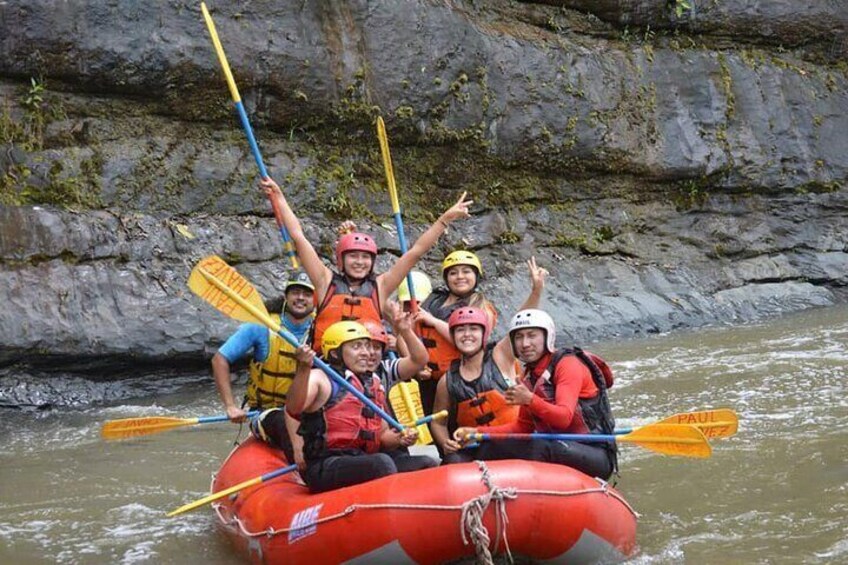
[
  {"x": 248, "y": 131},
  {"x": 330, "y": 372},
  {"x": 403, "y": 249},
  {"x": 257, "y": 156},
  {"x": 278, "y": 472},
  {"x": 210, "y": 419},
  {"x": 592, "y": 438}
]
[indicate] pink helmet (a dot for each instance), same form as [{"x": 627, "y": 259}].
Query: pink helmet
[
  {"x": 470, "y": 315},
  {"x": 376, "y": 330},
  {"x": 354, "y": 241}
]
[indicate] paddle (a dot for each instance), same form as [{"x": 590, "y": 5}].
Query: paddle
[
  {"x": 407, "y": 401},
  {"x": 288, "y": 246},
  {"x": 393, "y": 194},
  {"x": 218, "y": 495},
  {"x": 134, "y": 427},
  {"x": 224, "y": 288},
  {"x": 721, "y": 422},
  {"x": 669, "y": 439},
  {"x": 405, "y": 398}
]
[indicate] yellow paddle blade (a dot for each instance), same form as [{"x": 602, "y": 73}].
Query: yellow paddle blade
[
  {"x": 405, "y": 399},
  {"x": 219, "y": 49},
  {"x": 387, "y": 164},
  {"x": 670, "y": 439},
  {"x": 223, "y": 287},
  {"x": 213, "y": 497},
  {"x": 134, "y": 427},
  {"x": 721, "y": 422}
]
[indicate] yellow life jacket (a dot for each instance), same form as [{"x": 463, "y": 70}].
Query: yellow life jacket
[{"x": 270, "y": 380}]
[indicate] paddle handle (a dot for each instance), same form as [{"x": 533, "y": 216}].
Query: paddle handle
[
  {"x": 435, "y": 416},
  {"x": 211, "y": 419}
]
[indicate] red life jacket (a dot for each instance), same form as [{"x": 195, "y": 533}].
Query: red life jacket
[
  {"x": 593, "y": 415},
  {"x": 479, "y": 402},
  {"x": 344, "y": 423},
  {"x": 341, "y": 304}
]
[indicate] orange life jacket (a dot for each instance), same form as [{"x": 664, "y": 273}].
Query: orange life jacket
[
  {"x": 341, "y": 304},
  {"x": 479, "y": 402}
]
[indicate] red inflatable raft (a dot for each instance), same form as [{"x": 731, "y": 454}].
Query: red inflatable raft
[{"x": 533, "y": 510}]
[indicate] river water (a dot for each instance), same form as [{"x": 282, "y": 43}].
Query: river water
[{"x": 775, "y": 493}]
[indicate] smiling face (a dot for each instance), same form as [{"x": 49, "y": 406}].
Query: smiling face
[
  {"x": 356, "y": 355},
  {"x": 529, "y": 344},
  {"x": 376, "y": 355},
  {"x": 357, "y": 264},
  {"x": 299, "y": 302},
  {"x": 461, "y": 279},
  {"x": 468, "y": 338}
]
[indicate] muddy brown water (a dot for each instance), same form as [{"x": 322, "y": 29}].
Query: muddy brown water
[{"x": 775, "y": 493}]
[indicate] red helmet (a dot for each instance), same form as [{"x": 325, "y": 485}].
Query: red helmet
[
  {"x": 354, "y": 241},
  {"x": 376, "y": 330},
  {"x": 470, "y": 315}
]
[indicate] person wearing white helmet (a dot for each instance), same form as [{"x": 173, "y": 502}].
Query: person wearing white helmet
[{"x": 561, "y": 391}]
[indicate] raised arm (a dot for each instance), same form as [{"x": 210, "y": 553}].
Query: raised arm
[
  {"x": 440, "y": 326},
  {"x": 318, "y": 273},
  {"x": 416, "y": 354},
  {"x": 537, "y": 284},
  {"x": 391, "y": 279},
  {"x": 310, "y": 387},
  {"x": 502, "y": 353}
]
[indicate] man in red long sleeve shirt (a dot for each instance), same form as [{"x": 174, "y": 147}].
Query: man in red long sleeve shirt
[{"x": 562, "y": 391}]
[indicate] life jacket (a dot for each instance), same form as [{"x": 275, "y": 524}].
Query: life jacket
[
  {"x": 593, "y": 415},
  {"x": 479, "y": 402},
  {"x": 270, "y": 379},
  {"x": 442, "y": 351},
  {"x": 343, "y": 304},
  {"x": 344, "y": 424}
]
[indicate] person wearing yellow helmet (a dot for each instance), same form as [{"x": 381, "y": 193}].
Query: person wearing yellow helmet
[
  {"x": 461, "y": 272},
  {"x": 355, "y": 291},
  {"x": 344, "y": 442}
]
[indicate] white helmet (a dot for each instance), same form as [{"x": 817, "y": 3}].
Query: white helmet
[{"x": 533, "y": 318}]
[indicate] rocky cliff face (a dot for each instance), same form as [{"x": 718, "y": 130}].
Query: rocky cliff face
[{"x": 672, "y": 166}]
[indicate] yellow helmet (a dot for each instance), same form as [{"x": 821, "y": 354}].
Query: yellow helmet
[
  {"x": 420, "y": 284},
  {"x": 342, "y": 332},
  {"x": 462, "y": 257}
]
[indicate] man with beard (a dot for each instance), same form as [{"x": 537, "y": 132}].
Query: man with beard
[{"x": 272, "y": 367}]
